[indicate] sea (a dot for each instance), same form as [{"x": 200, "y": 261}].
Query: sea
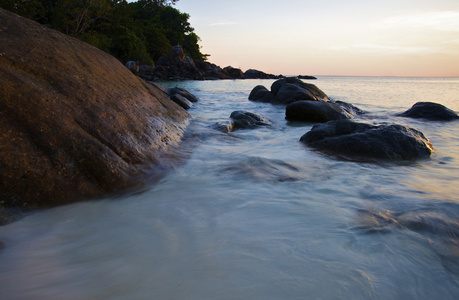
[{"x": 256, "y": 214}]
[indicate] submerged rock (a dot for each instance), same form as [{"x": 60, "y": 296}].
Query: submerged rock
[
  {"x": 315, "y": 111},
  {"x": 242, "y": 120},
  {"x": 75, "y": 123},
  {"x": 361, "y": 141},
  {"x": 430, "y": 111},
  {"x": 287, "y": 90}
]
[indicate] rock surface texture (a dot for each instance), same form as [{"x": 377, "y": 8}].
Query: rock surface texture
[
  {"x": 74, "y": 122},
  {"x": 287, "y": 90},
  {"x": 430, "y": 111},
  {"x": 361, "y": 141},
  {"x": 315, "y": 111},
  {"x": 240, "y": 119}
]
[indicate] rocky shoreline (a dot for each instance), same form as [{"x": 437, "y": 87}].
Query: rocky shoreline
[
  {"x": 176, "y": 66},
  {"x": 75, "y": 124}
]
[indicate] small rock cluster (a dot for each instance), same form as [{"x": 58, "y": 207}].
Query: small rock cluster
[{"x": 338, "y": 135}]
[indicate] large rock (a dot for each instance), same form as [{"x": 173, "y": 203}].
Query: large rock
[
  {"x": 75, "y": 123},
  {"x": 176, "y": 66},
  {"x": 256, "y": 74},
  {"x": 361, "y": 141},
  {"x": 261, "y": 94},
  {"x": 315, "y": 111},
  {"x": 430, "y": 111},
  {"x": 288, "y": 90}
]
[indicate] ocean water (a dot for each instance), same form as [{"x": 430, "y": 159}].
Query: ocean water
[{"x": 255, "y": 214}]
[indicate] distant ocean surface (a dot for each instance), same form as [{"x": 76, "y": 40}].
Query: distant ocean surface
[{"x": 255, "y": 214}]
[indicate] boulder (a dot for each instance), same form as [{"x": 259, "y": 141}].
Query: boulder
[
  {"x": 184, "y": 93},
  {"x": 242, "y": 120},
  {"x": 146, "y": 72},
  {"x": 75, "y": 123},
  {"x": 233, "y": 73},
  {"x": 351, "y": 109},
  {"x": 315, "y": 111},
  {"x": 288, "y": 90},
  {"x": 133, "y": 66},
  {"x": 256, "y": 74},
  {"x": 430, "y": 111},
  {"x": 248, "y": 120},
  {"x": 182, "y": 97},
  {"x": 182, "y": 101},
  {"x": 361, "y": 141},
  {"x": 261, "y": 94},
  {"x": 176, "y": 66}
]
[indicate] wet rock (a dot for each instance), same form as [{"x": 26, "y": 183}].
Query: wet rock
[
  {"x": 264, "y": 169},
  {"x": 430, "y": 111},
  {"x": 248, "y": 120},
  {"x": 352, "y": 109},
  {"x": 315, "y": 111},
  {"x": 182, "y": 101},
  {"x": 182, "y": 97},
  {"x": 242, "y": 120},
  {"x": 288, "y": 90},
  {"x": 366, "y": 142},
  {"x": 224, "y": 126},
  {"x": 75, "y": 123},
  {"x": 261, "y": 94}
]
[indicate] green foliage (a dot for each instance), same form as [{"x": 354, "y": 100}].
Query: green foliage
[{"x": 141, "y": 31}]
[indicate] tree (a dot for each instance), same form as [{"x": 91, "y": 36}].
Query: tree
[{"x": 76, "y": 16}]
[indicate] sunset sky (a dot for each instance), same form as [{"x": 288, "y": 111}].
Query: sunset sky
[{"x": 330, "y": 37}]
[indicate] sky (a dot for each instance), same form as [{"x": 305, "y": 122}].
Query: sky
[{"x": 330, "y": 37}]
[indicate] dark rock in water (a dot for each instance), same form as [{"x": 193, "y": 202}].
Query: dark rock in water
[
  {"x": 182, "y": 97},
  {"x": 361, "y": 141},
  {"x": 315, "y": 111},
  {"x": 75, "y": 123},
  {"x": 288, "y": 90},
  {"x": 189, "y": 96},
  {"x": 352, "y": 109},
  {"x": 306, "y": 77},
  {"x": 256, "y": 74},
  {"x": 182, "y": 101},
  {"x": 430, "y": 111},
  {"x": 261, "y": 94},
  {"x": 242, "y": 120},
  {"x": 224, "y": 126},
  {"x": 310, "y": 90},
  {"x": 247, "y": 119}
]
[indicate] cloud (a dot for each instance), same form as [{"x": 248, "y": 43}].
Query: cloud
[
  {"x": 440, "y": 20},
  {"x": 383, "y": 49}
]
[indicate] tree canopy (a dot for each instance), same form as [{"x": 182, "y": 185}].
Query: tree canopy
[{"x": 141, "y": 31}]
